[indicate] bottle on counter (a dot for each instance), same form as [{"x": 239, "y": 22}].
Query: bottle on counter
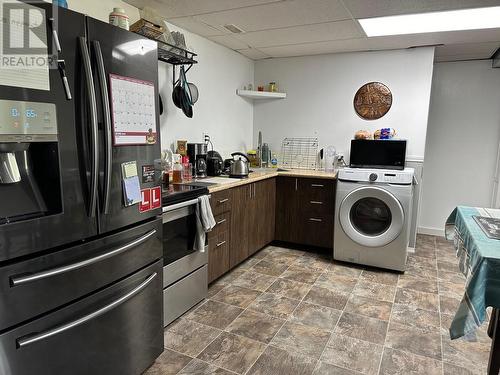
[
  {"x": 177, "y": 170},
  {"x": 274, "y": 161}
]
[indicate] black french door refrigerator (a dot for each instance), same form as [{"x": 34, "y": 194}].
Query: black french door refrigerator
[{"x": 80, "y": 260}]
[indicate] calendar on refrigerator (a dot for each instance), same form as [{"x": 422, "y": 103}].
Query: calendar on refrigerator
[{"x": 133, "y": 110}]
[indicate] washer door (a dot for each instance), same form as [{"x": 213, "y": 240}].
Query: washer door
[{"x": 371, "y": 216}]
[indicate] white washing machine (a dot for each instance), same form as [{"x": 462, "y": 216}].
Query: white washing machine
[{"x": 372, "y": 216}]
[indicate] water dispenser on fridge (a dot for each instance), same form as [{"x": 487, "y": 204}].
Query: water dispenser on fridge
[{"x": 29, "y": 165}]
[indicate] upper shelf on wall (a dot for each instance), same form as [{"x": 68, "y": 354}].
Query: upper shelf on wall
[{"x": 261, "y": 94}]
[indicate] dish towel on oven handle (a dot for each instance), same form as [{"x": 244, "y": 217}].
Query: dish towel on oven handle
[{"x": 205, "y": 222}]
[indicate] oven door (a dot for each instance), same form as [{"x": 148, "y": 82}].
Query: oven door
[{"x": 179, "y": 232}]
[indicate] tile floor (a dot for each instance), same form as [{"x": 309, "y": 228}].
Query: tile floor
[{"x": 289, "y": 312}]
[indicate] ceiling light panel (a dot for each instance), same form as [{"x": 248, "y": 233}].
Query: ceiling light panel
[{"x": 464, "y": 19}]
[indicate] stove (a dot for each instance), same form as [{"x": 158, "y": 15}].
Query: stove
[
  {"x": 185, "y": 270},
  {"x": 177, "y": 193}
]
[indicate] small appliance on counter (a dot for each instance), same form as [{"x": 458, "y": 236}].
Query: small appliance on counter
[
  {"x": 197, "y": 153},
  {"x": 215, "y": 163},
  {"x": 239, "y": 167}
]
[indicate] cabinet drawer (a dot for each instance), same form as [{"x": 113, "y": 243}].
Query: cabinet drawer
[
  {"x": 223, "y": 222},
  {"x": 311, "y": 206},
  {"x": 221, "y": 202},
  {"x": 218, "y": 241},
  {"x": 317, "y": 195},
  {"x": 316, "y": 230},
  {"x": 218, "y": 256}
]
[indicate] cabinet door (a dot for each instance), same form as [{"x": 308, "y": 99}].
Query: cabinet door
[
  {"x": 239, "y": 224},
  {"x": 254, "y": 218},
  {"x": 287, "y": 209},
  {"x": 266, "y": 206},
  {"x": 218, "y": 255}
]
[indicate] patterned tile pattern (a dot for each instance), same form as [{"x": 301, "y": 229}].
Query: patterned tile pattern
[{"x": 291, "y": 312}]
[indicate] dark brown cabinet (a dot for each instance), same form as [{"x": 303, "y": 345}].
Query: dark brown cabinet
[
  {"x": 304, "y": 211},
  {"x": 240, "y": 224},
  {"x": 218, "y": 262},
  {"x": 219, "y": 238},
  {"x": 249, "y": 217},
  {"x": 252, "y": 219}
]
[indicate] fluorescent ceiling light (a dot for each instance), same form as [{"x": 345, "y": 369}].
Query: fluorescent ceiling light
[{"x": 464, "y": 19}]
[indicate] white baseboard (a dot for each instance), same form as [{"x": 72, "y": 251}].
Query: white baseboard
[{"x": 431, "y": 231}]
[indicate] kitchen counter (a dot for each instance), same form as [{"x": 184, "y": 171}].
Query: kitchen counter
[{"x": 223, "y": 183}]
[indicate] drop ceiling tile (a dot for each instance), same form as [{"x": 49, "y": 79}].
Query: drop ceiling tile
[
  {"x": 475, "y": 56},
  {"x": 195, "y": 26},
  {"x": 377, "y": 8},
  {"x": 302, "y": 34},
  {"x": 183, "y": 8},
  {"x": 229, "y": 41},
  {"x": 480, "y": 49},
  {"x": 278, "y": 15},
  {"x": 305, "y": 49},
  {"x": 253, "y": 53}
]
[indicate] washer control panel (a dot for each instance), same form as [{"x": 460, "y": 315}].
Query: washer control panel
[{"x": 404, "y": 177}]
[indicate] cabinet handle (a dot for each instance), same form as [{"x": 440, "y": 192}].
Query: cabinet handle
[
  {"x": 220, "y": 244},
  {"x": 220, "y": 222},
  {"x": 296, "y": 184},
  {"x": 316, "y": 202},
  {"x": 317, "y": 185},
  {"x": 223, "y": 200},
  {"x": 314, "y": 219}
]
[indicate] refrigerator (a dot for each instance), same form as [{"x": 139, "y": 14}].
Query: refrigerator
[{"x": 80, "y": 231}]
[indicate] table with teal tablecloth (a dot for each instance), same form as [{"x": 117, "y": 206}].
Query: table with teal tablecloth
[{"x": 479, "y": 261}]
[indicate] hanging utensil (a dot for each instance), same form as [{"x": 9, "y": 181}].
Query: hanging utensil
[{"x": 177, "y": 92}]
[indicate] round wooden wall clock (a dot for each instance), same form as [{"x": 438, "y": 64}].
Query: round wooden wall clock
[{"x": 372, "y": 101}]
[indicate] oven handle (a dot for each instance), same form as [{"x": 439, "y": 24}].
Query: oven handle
[
  {"x": 19, "y": 280},
  {"x": 180, "y": 205},
  {"x": 31, "y": 339}
]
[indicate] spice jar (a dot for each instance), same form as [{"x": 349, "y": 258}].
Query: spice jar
[{"x": 272, "y": 87}]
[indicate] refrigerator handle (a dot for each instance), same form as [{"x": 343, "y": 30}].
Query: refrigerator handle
[
  {"x": 107, "y": 124},
  {"x": 31, "y": 339},
  {"x": 94, "y": 149}
]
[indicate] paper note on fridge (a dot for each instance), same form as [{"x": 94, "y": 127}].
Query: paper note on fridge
[{"x": 24, "y": 60}]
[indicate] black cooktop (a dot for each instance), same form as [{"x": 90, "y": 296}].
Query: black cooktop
[{"x": 177, "y": 193}]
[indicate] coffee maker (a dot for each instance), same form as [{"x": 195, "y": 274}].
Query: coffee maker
[
  {"x": 29, "y": 173},
  {"x": 197, "y": 153}
]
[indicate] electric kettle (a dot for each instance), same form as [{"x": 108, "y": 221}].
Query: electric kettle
[{"x": 239, "y": 167}]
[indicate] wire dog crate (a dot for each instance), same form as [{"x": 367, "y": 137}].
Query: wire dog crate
[{"x": 299, "y": 153}]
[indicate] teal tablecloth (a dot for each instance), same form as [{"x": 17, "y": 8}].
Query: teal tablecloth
[{"x": 480, "y": 263}]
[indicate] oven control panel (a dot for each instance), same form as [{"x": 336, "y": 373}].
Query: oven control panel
[{"x": 22, "y": 121}]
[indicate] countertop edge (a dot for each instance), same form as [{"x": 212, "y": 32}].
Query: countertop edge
[{"x": 266, "y": 175}]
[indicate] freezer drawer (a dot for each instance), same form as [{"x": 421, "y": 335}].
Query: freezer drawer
[
  {"x": 184, "y": 294},
  {"x": 115, "y": 331},
  {"x": 38, "y": 285}
]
